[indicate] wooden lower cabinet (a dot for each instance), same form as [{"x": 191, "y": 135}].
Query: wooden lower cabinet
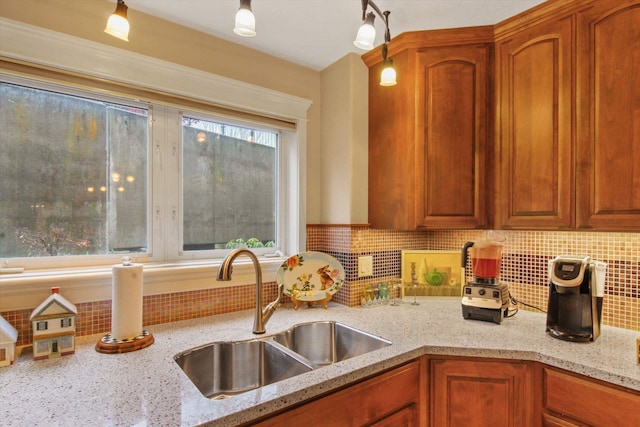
[
  {"x": 574, "y": 400},
  {"x": 394, "y": 398},
  {"x": 481, "y": 392},
  {"x": 449, "y": 391}
]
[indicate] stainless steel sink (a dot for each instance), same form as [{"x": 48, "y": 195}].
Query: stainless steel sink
[
  {"x": 223, "y": 369},
  {"x": 324, "y": 343},
  {"x": 226, "y": 368}
]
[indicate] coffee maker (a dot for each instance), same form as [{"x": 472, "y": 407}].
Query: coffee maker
[
  {"x": 484, "y": 298},
  {"x": 576, "y": 291}
]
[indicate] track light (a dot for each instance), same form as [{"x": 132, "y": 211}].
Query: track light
[
  {"x": 245, "y": 21},
  {"x": 366, "y": 38},
  {"x": 118, "y": 25}
]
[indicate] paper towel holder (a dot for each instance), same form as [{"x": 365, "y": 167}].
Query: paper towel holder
[{"x": 110, "y": 344}]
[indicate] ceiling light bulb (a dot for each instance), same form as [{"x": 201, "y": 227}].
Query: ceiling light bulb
[
  {"x": 366, "y": 33},
  {"x": 117, "y": 24},
  {"x": 245, "y": 21},
  {"x": 388, "y": 75}
]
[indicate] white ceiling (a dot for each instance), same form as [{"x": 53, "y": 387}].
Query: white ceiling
[{"x": 316, "y": 33}]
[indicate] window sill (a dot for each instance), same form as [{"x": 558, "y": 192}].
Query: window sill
[{"x": 28, "y": 289}]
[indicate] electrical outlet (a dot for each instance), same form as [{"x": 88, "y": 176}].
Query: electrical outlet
[{"x": 365, "y": 266}]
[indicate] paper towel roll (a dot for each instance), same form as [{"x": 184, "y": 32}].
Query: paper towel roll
[{"x": 126, "y": 303}]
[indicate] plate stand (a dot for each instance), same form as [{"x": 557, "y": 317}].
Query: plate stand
[{"x": 297, "y": 303}]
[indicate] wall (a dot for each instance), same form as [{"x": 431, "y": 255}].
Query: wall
[{"x": 345, "y": 143}]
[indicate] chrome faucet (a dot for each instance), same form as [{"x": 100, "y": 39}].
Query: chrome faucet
[{"x": 261, "y": 316}]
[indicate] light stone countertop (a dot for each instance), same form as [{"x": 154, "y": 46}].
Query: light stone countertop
[{"x": 147, "y": 388}]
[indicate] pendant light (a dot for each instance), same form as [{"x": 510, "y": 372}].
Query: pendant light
[
  {"x": 117, "y": 24},
  {"x": 388, "y": 74},
  {"x": 366, "y": 38},
  {"x": 245, "y": 21},
  {"x": 366, "y": 33}
]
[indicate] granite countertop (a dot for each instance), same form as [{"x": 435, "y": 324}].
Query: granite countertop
[{"x": 146, "y": 387}]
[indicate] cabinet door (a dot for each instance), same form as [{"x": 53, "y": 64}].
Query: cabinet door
[
  {"x": 536, "y": 138},
  {"x": 482, "y": 393},
  {"x": 589, "y": 401},
  {"x": 391, "y": 147},
  {"x": 394, "y": 398},
  {"x": 452, "y": 128},
  {"x": 609, "y": 115}
]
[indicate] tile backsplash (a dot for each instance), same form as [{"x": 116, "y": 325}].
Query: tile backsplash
[
  {"x": 524, "y": 265},
  {"x": 524, "y": 268}
]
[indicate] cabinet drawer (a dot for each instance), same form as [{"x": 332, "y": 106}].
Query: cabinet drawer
[{"x": 590, "y": 401}]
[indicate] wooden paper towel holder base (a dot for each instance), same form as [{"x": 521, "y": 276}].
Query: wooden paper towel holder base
[{"x": 109, "y": 345}]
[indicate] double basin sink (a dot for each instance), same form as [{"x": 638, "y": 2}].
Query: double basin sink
[{"x": 227, "y": 368}]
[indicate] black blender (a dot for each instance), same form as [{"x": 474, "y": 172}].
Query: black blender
[{"x": 484, "y": 298}]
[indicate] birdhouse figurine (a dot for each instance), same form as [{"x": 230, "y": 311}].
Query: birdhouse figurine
[
  {"x": 8, "y": 338},
  {"x": 54, "y": 327}
]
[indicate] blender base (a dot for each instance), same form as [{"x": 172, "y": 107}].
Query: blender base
[
  {"x": 488, "y": 302},
  {"x": 485, "y": 314}
]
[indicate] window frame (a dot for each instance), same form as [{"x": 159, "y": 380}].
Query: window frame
[{"x": 35, "y": 52}]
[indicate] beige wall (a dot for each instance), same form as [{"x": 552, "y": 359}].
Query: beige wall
[
  {"x": 170, "y": 42},
  {"x": 344, "y": 142}
]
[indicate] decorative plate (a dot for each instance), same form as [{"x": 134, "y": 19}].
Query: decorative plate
[{"x": 312, "y": 276}]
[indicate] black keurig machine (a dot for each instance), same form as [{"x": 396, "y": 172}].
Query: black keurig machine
[{"x": 576, "y": 291}]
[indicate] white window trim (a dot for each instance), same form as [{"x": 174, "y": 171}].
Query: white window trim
[{"x": 43, "y": 47}]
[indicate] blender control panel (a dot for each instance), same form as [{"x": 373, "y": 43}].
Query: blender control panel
[
  {"x": 495, "y": 297},
  {"x": 482, "y": 292}
]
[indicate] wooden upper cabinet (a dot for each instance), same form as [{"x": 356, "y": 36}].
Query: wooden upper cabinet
[
  {"x": 536, "y": 164},
  {"x": 428, "y": 135},
  {"x": 608, "y": 107},
  {"x": 452, "y": 127},
  {"x": 564, "y": 149},
  {"x": 392, "y": 148}
]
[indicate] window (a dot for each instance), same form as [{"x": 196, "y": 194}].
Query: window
[
  {"x": 74, "y": 174},
  {"x": 42, "y": 347},
  {"x": 42, "y": 326},
  {"x": 229, "y": 185},
  {"x": 66, "y": 342},
  {"x": 65, "y": 323},
  {"x": 88, "y": 178}
]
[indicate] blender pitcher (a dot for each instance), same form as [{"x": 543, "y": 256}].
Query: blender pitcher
[{"x": 486, "y": 258}]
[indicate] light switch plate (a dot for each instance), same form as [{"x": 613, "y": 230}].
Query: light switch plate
[{"x": 365, "y": 266}]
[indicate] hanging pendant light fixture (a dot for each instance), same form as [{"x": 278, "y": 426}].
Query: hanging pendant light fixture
[
  {"x": 117, "y": 24},
  {"x": 245, "y": 21},
  {"x": 366, "y": 33},
  {"x": 366, "y": 38},
  {"x": 388, "y": 75}
]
